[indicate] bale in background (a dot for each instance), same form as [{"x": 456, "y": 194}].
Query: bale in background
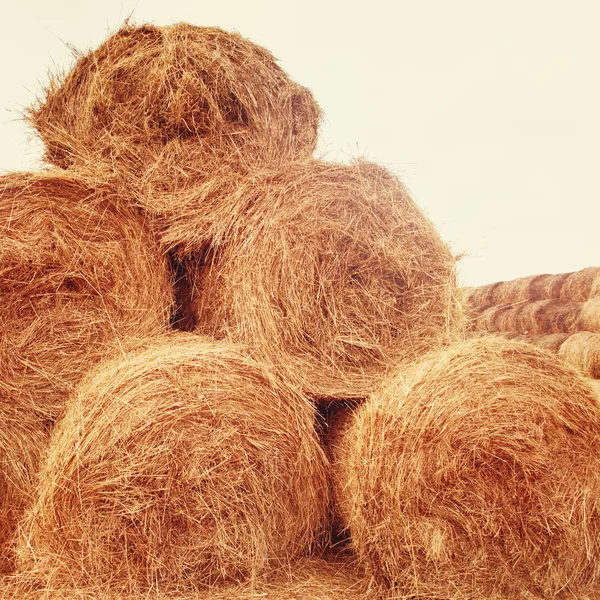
[
  {"x": 78, "y": 274},
  {"x": 159, "y": 105},
  {"x": 582, "y": 351},
  {"x": 180, "y": 465},
  {"x": 476, "y": 475},
  {"x": 333, "y": 274}
]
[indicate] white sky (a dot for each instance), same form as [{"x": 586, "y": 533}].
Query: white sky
[{"x": 488, "y": 111}]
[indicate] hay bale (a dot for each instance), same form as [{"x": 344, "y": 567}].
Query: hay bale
[
  {"x": 181, "y": 465},
  {"x": 590, "y": 315},
  {"x": 313, "y": 579},
  {"x": 546, "y": 341},
  {"x": 476, "y": 475},
  {"x": 576, "y": 286},
  {"x": 158, "y": 105},
  {"x": 333, "y": 274},
  {"x": 78, "y": 273},
  {"x": 543, "y": 316},
  {"x": 582, "y": 351}
]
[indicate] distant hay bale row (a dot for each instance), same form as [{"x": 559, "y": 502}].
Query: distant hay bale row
[
  {"x": 312, "y": 579},
  {"x": 331, "y": 272},
  {"x": 581, "y": 350},
  {"x": 540, "y": 317},
  {"x": 578, "y": 286},
  {"x": 475, "y": 474},
  {"x": 177, "y": 466},
  {"x": 155, "y": 107},
  {"x": 79, "y": 275}
]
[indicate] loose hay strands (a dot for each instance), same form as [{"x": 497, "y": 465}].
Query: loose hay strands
[
  {"x": 161, "y": 104},
  {"x": 22, "y": 440},
  {"x": 333, "y": 274},
  {"x": 571, "y": 287},
  {"x": 181, "y": 465},
  {"x": 78, "y": 274},
  {"x": 313, "y": 579},
  {"x": 582, "y": 351},
  {"x": 476, "y": 475}
]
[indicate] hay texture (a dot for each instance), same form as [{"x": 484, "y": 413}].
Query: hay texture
[
  {"x": 476, "y": 475},
  {"x": 312, "y": 579},
  {"x": 181, "y": 465},
  {"x": 333, "y": 275},
  {"x": 577, "y": 286},
  {"x": 158, "y": 105},
  {"x": 582, "y": 351},
  {"x": 78, "y": 273}
]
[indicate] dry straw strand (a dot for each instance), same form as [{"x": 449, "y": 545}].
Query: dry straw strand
[
  {"x": 476, "y": 475},
  {"x": 333, "y": 274},
  {"x": 181, "y": 465}
]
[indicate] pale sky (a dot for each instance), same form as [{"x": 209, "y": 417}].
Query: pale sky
[{"x": 488, "y": 111}]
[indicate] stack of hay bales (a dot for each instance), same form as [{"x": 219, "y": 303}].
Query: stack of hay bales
[
  {"x": 560, "y": 313},
  {"x": 190, "y": 463}
]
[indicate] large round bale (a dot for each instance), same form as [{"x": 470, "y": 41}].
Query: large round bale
[
  {"x": 162, "y": 104},
  {"x": 476, "y": 475},
  {"x": 333, "y": 274},
  {"x": 79, "y": 272},
  {"x": 582, "y": 351},
  {"x": 183, "y": 464}
]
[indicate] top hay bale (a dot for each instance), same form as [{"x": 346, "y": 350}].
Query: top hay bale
[{"x": 160, "y": 102}]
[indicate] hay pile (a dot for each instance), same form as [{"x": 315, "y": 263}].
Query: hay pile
[
  {"x": 333, "y": 274},
  {"x": 476, "y": 475},
  {"x": 181, "y": 465},
  {"x": 157, "y": 105},
  {"x": 79, "y": 275}
]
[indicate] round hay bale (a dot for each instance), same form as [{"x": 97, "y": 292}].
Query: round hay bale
[
  {"x": 541, "y": 316},
  {"x": 582, "y": 351},
  {"x": 590, "y": 315},
  {"x": 78, "y": 273},
  {"x": 476, "y": 475},
  {"x": 183, "y": 464},
  {"x": 162, "y": 104},
  {"x": 333, "y": 274}
]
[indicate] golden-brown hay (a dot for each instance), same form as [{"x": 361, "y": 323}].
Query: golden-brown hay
[
  {"x": 312, "y": 579},
  {"x": 582, "y": 351},
  {"x": 180, "y": 465},
  {"x": 78, "y": 273},
  {"x": 547, "y": 341},
  {"x": 333, "y": 274},
  {"x": 476, "y": 475},
  {"x": 22, "y": 441},
  {"x": 590, "y": 315},
  {"x": 162, "y": 104},
  {"x": 577, "y": 286},
  {"x": 543, "y": 316}
]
